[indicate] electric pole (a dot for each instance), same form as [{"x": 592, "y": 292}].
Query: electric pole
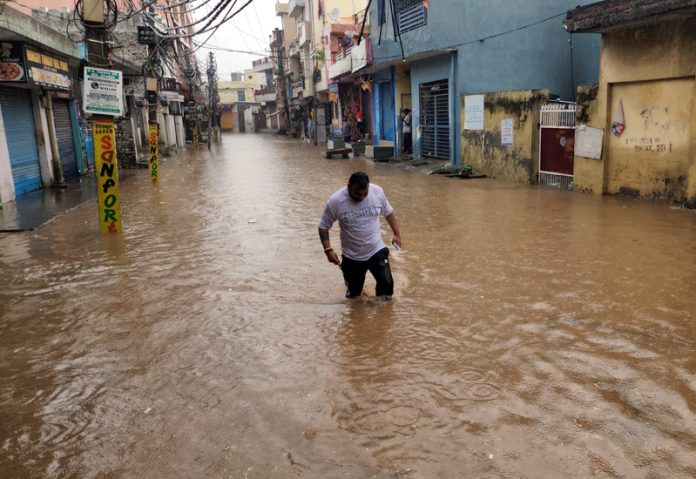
[
  {"x": 212, "y": 96},
  {"x": 99, "y": 100}
]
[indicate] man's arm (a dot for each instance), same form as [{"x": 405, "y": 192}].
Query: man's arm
[
  {"x": 394, "y": 225},
  {"x": 331, "y": 255}
]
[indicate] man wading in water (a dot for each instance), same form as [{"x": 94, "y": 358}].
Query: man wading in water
[{"x": 358, "y": 208}]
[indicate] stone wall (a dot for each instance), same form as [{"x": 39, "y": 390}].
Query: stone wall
[{"x": 484, "y": 150}]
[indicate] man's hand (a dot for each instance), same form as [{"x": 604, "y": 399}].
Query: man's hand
[
  {"x": 397, "y": 240},
  {"x": 333, "y": 257}
]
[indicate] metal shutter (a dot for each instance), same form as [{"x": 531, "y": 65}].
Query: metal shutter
[
  {"x": 434, "y": 119},
  {"x": 21, "y": 140},
  {"x": 61, "y": 117}
]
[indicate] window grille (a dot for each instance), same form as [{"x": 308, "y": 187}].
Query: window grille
[{"x": 415, "y": 16}]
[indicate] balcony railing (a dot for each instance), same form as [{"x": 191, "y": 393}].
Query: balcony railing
[
  {"x": 262, "y": 64},
  {"x": 302, "y": 33},
  {"x": 265, "y": 94},
  {"x": 342, "y": 53},
  {"x": 361, "y": 55},
  {"x": 340, "y": 67},
  {"x": 295, "y": 7},
  {"x": 294, "y": 48}
]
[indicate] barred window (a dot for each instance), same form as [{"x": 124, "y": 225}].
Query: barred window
[{"x": 410, "y": 14}]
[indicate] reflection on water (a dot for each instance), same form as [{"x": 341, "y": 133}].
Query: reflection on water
[{"x": 533, "y": 332}]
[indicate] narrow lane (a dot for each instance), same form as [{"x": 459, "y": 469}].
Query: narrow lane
[{"x": 533, "y": 332}]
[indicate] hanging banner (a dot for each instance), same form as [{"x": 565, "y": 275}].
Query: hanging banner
[
  {"x": 108, "y": 196},
  {"x": 154, "y": 152}
]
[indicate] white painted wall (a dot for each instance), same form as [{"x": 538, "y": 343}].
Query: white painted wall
[{"x": 7, "y": 190}]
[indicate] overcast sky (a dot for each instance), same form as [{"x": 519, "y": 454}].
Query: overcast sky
[{"x": 248, "y": 31}]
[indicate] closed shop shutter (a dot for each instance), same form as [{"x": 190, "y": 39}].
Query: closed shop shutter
[
  {"x": 61, "y": 116},
  {"x": 21, "y": 140},
  {"x": 434, "y": 119}
]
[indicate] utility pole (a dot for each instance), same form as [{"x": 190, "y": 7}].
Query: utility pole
[
  {"x": 212, "y": 96},
  {"x": 281, "y": 75},
  {"x": 105, "y": 158},
  {"x": 152, "y": 88}
]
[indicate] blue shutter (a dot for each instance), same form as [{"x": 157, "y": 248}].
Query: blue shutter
[
  {"x": 21, "y": 140},
  {"x": 387, "y": 98}
]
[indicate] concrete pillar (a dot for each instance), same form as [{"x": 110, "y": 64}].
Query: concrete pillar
[{"x": 42, "y": 139}]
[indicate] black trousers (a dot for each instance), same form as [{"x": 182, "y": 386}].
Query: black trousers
[{"x": 354, "y": 274}]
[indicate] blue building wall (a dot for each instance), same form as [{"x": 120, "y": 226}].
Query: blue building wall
[{"x": 491, "y": 45}]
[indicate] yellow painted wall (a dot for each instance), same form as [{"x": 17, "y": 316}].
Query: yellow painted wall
[
  {"x": 588, "y": 173},
  {"x": 227, "y": 90},
  {"x": 483, "y": 150},
  {"x": 226, "y": 122},
  {"x": 652, "y": 69}
]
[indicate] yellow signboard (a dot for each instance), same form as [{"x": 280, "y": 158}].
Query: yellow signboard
[
  {"x": 195, "y": 137},
  {"x": 33, "y": 56},
  {"x": 108, "y": 195},
  {"x": 154, "y": 152}
]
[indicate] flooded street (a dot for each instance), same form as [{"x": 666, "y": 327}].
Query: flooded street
[{"x": 533, "y": 332}]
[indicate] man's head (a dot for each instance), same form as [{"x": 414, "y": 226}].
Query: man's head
[{"x": 358, "y": 185}]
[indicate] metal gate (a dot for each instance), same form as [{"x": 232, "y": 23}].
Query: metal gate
[
  {"x": 434, "y": 121},
  {"x": 21, "y": 140},
  {"x": 66, "y": 147},
  {"x": 557, "y": 145}
]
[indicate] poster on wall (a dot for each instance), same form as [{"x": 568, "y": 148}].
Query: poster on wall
[
  {"x": 506, "y": 132},
  {"x": 473, "y": 112},
  {"x": 588, "y": 142}
]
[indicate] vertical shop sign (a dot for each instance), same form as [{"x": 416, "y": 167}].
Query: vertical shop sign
[
  {"x": 108, "y": 195},
  {"x": 154, "y": 152}
]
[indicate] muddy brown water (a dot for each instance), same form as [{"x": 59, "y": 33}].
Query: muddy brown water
[{"x": 534, "y": 332}]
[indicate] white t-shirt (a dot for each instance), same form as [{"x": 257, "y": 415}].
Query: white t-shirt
[
  {"x": 361, "y": 236},
  {"x": 406, "y": 124}
]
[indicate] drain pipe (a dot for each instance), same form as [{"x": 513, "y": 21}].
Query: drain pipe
[{"x": 58, "y": 177}]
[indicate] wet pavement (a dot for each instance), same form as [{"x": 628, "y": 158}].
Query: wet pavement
[
  {"x": 37, "y": 208},
  {"x": 534, "y": 333}
]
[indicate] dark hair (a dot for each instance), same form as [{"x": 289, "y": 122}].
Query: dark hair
[{"x": 359, "y": 179}]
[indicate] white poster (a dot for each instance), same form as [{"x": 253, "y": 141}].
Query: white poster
[
  {"x": 473, "y": 112},
  {"x": 506, "y": 132},
  {"x": 588, "y": 142},
  {"x": 103, "y": 92}
]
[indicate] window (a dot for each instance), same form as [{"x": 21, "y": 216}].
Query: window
[
  {"x": 381, "y": 17},
  {"x": 410, "y": 14},
  {"x": 240, "y": 96}
]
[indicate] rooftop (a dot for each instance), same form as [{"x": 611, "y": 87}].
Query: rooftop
[{"x": 614, "y": 14}]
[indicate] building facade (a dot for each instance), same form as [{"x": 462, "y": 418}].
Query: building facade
[
  {"x": 442, "y": 51},
  {"x": 645, "y": 101}
]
